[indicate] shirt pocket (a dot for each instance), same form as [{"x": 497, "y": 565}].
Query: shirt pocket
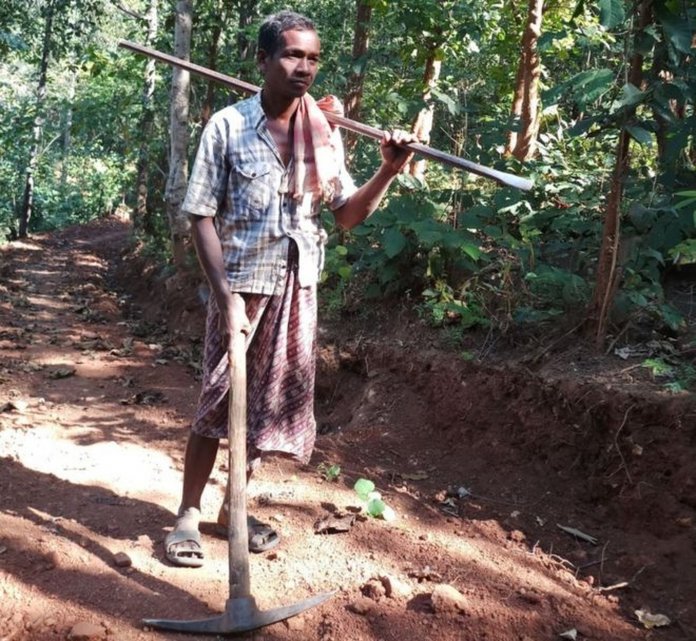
[{"x": 251, "y": 189}]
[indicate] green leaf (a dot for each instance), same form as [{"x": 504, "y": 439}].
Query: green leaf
[
  {"x": 675, "y": 321},
  {"x": 611, "y": 13},
  {"x": 684, "y": 253},
  {"x": 640, "y": 135},
  {"x": 376, "y": 507},
  {"x": 631, "y": 96},
  {"x": 393, "y": 242},
  {"x": 363, "y": 487},
  {"x": 471, "y": 250},
  {"x": 590, "y": 85},
  {"x": 657, "y": 366},
  {"x": 450, "y": 103},
  {"x": 345, "y": 272},
  {"x": 677, "y": 28}
]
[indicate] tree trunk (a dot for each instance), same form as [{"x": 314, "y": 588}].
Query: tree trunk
[
  {"x": 607, "y": 273},
  {"x": 67, "y": 130},
  {"x": 354, "y": 89},
  {"x": 525, "y": 107},
  {"x": 28, "y": 199},
  {"x": 248, "y": 10},
  {"x": 213, "y": 48},
  {"x": 423, "y": 123},
  {"x": 141, "y": 217},
  {"x": 179, "y": 134}
]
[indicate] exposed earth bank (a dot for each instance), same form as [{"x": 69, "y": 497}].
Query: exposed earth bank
[{"x": 531, "y": 504}]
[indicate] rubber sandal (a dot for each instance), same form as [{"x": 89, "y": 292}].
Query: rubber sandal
[
  {"x": 262, "y": 537},
  {"x": 185, "y": 532}
]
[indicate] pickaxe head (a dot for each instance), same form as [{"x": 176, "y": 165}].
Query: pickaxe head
[{"x": 240, "y": 615}]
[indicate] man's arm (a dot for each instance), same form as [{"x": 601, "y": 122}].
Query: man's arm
[
  {"x": 364, "y": 201},
  {"x": 232, "y": 307}
]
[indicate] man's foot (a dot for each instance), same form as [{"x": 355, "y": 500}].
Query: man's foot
[
  {"x": 262, "y": 537},
  {"x": 182, "y": 546}
]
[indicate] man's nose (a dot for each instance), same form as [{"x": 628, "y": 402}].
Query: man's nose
[{"x": 303, "y": 65}]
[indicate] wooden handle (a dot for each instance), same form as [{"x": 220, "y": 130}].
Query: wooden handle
[
  {"x": 238, "y": 534},
  {"x": 502, "y": 177}
]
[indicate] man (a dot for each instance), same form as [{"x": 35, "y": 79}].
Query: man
[{"x": 263, "y": 168}]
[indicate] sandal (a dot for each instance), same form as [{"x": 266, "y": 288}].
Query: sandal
[
  {"x": 262, "y": 537},
  {"x": 182, "y": 546}
]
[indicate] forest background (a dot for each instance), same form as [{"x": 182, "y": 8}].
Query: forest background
[{"x": 592, "y": 99}]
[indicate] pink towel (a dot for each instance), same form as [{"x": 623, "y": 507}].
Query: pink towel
[{"x": 315, "y": 153}]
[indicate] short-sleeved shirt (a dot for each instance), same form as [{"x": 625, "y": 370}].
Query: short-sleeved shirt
[{"x": 239, "y": 178}]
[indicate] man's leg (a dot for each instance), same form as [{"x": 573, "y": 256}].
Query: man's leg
[
  {"x": 183, "y": 544},
  {"x": 198, "y": 464}
]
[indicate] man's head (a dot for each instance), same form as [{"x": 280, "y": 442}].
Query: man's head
[
  {"x": 274, "y": 26},
  {"x": 288, "y": 56}
]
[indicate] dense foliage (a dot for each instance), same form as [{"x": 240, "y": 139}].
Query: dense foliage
[{"x": 463, "y": 249}]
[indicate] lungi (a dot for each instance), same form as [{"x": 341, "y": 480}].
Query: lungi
[{"x": 281, "y": 365}]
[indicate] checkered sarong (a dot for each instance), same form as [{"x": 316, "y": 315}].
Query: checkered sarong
[{"x": 281, "y": 356}]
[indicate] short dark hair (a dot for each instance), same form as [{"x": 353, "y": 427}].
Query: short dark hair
[{"x": 274, "y": 26}]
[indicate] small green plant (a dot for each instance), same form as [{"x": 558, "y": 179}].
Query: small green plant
[
  {"x": 329, "y": 472},
  {"x": 677, "y": 376},
  {"x": 658, "y": 367},
  {"x": 374, "y": 505}
]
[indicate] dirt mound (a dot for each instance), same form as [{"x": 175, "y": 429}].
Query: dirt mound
[{"x": 528, "y": 504}]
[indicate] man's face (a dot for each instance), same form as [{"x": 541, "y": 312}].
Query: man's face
[{"x": 290, "y": 71}]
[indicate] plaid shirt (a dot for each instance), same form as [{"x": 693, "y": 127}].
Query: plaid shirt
[{"x": 239, "y": 177}]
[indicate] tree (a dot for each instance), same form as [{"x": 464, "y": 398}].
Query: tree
[
  {"x": 179, "y": 134},
  {"x": 141, "y": 216},
  {"x": 525, "y": 106},
  {"x": 423, "y": 123},
  {"x": 28, "y": 200},
  {"x": 607, "y": 275},
  {"x": 352, "y": 101}
]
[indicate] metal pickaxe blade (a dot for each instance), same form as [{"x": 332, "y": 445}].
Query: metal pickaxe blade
[
  {"x": 240, "y": 615},
  {"x": 241, "y": 612}
]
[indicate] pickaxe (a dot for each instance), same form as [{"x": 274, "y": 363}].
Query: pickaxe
[
  {"x": 502, "y": 177},
  {"x": 241, "y": 612}
]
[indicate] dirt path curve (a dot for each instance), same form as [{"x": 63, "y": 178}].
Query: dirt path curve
[{"x": 94, "y": 408}]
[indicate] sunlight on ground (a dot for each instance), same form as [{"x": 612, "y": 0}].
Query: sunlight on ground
[{"x": 124, "y": 468}]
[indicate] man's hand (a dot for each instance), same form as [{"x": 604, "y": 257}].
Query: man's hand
[
  {"x": 233, "y": 317},
  {"x": 394, "y": 156},
  {"x": 232, "y": 307}
]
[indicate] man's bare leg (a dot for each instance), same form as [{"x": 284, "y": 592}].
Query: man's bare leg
[
  {"x": 198, "y": 464},
  {"x": 183, "y": 544}
]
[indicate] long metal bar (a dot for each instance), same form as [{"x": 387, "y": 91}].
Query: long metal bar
[{"x": 502, "y": 177}]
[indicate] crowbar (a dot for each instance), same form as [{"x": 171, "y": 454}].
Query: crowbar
[
  {"x": 241, "y": 612},
  {"x": 502, "y": 177}
]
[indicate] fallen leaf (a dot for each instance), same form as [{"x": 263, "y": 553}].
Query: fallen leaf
[
  {"x": 578, "y": 534},
  {"x": 416, "y": 476},
  {"x": 333, "y": 523},
  {"x": 650, "y": 620},
  {"x": 62, "y": 372}
]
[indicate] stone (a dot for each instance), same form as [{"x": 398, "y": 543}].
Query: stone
[
  {"x": 395, "y": 588},
  {"x": 518, "y": 536},
  {"x": 446, "y": 598},
  {"x": 362, "y": 606},
  {"x": 374, "y": 589},
  {"x": 122, "y": 560},
  {"x": 85, "y": 631}
]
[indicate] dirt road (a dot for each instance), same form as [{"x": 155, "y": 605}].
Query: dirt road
[{"x": 482, "y": 466}]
